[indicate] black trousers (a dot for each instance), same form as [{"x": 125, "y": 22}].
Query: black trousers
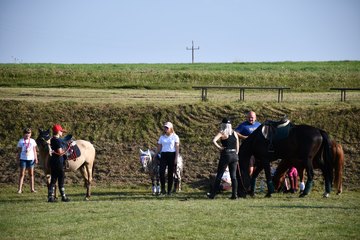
[
  {"x": 167, "y": 160},
  {"x": 227, "y": 159},
  {"x": 57, "y": 172}
]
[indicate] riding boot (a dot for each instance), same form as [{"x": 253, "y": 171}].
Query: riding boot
[
  {"x": 233, "y": 191},
  {"x": 51, "y": 193},
  {"x": 64, "y": 198}
]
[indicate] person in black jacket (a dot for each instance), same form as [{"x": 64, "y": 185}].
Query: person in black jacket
[
  {"x": 57, "y": 164},
  {"x": 228, "y": 157}
]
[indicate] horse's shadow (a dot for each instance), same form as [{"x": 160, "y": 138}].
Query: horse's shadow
[
  {"x": 129, "y": 195},
  {"x": 202, "y": 184}
]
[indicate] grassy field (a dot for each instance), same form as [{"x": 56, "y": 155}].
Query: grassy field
[
  {"x": 299, "y": 76},
  {"x": 169, "y": 97},
  {"x": 120, "y": 213},
  {"x": 121, "y": 108}
]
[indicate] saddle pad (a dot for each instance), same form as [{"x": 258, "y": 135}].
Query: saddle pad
[{"x": 74, "y": 152}]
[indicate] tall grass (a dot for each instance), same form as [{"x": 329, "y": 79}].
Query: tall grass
[
  {"x": 119, "y": 213},
  {"x": 300, "y": 76}
]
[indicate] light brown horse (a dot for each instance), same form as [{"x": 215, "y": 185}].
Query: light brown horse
[
  {"x": 338, "y": 168},
  {"x": 84, "y": 163}
]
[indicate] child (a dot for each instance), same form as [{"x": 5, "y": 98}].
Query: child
[
  {"x": 293, "y": 176},
  {"x": 28, "y": 158}
]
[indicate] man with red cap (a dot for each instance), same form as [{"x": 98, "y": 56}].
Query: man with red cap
[{"x": 57, "y": 164}]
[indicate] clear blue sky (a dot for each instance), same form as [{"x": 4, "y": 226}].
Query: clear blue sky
[{"x": 158, "y": 31}]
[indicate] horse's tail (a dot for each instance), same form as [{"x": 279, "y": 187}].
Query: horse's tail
[
  {"x": 327, "y": 157},
  {"x": 338, "y": 161}
]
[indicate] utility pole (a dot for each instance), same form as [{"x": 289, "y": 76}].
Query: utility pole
[{"x": 192, "y": 51}]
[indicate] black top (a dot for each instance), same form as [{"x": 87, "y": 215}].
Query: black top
[
  {"x": 55, "y": 144},
  {"x": 230, "y": 142}
]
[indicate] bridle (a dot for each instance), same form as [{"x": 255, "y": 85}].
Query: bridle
[
  {"x": 41, "y": 141},
  {"x": 145, "y": 159}
]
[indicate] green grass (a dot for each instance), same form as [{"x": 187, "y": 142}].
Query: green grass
[
  {"x": 120, "y": 108},
  {"x": 299, "y": 76},
  {"x": 122, "y": 213}
]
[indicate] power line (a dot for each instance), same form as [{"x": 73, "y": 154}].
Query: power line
[{"x": 192, "y": 51}]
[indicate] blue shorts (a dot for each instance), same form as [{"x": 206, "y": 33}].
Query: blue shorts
[{"x": 27, "y": 163}]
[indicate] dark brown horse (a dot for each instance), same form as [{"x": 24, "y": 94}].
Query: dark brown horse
[
  {"x": 298, "y": 148},
  {"x": 338, "y": 167}
]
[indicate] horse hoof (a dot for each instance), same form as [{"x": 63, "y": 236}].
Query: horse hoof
[
  {"x": 268, "y": 195},
  {"x": 87, "y": 198}
]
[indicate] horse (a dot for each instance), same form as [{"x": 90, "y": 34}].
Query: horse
[
  {"x": 83, "y": 162},
  {"x": 298, "y": 147},
  {"x": 151, "y": 164},
  {"x": 338, "y": 167}
]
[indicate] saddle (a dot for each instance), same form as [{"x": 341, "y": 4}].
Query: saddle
[
  {"x": 72, "y": 150},
  {"x": 275, "y": 131}
]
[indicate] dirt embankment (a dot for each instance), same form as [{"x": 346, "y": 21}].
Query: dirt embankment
[{"x": 119, "y": 132}]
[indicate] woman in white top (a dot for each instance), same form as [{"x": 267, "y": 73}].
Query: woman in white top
[
  {"x": 168, "y": 147},
  {"x": 28, "y": 157}
]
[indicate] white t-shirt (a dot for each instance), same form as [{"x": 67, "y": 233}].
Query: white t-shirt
[
  {"x": 168, "y": 142},
  {"x": 27, "y": 149}
]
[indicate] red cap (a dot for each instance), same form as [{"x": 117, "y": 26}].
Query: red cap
[{"x": 57, "y": 128}]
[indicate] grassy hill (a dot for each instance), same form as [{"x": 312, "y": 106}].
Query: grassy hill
[{"x": 119, "y": 131}]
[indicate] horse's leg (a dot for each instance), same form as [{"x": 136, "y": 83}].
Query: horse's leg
[
  {"x": 153, "y": 187},
  {"x": 255, "y": 174},
  {"x": 177, "y": 180},
  {"x": 48, "y": 184},
  {"x": 178, "y": 170},
  {"x": 48, "y": 179},
  {"x": 301, "y": 178},
  {"x": 269, "y": 182},
  {"x": 156, "y": 175},
  {"x": 89, "y": 168},
  {"x": 327, "y": 185},
  {"x": 85, "y": 173},
  {"x": 310, "y": 179},
  {"x": 153, "y": 184},
  {"x": 338, "y": 154},
  {"x": 157, "y": 184}
]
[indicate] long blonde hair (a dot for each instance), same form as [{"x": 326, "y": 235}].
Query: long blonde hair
[{"x": 226, "y": 129}]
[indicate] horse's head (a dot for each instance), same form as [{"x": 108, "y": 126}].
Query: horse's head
[
  {"x": 43, "y": 140},
  {"x": 145, "y": 159}
]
